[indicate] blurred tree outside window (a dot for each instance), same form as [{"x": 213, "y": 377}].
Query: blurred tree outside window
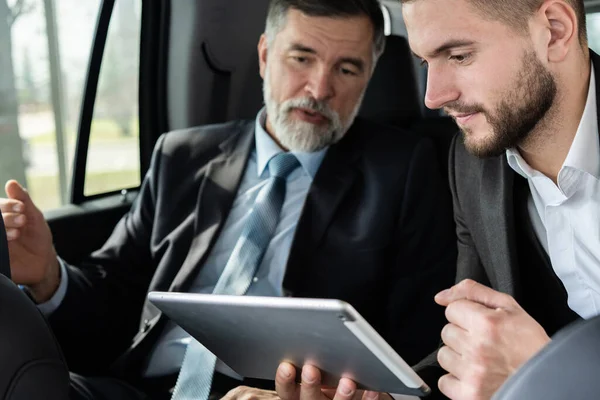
[
  {"x": 115, "y": 133},
  {"x": 45, "y": 47}
]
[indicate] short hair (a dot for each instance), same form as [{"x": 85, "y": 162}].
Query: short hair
[
  {"x": 278, "y": 10},
  {"x": 516, "y": 13}
]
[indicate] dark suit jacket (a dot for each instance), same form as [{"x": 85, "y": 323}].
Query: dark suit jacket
[
  {"x": 376, "y": 231},
  {"x": 497, "y": 244}
]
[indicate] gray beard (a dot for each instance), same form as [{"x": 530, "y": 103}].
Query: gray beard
[{"x": 302, "y": 136}]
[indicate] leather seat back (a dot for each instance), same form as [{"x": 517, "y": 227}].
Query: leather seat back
[
  {"x": 567, "y": 368},
  {"x": 32, "y": 366}
]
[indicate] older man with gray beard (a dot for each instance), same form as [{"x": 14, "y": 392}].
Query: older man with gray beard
[{"x": 334, "y": 207}]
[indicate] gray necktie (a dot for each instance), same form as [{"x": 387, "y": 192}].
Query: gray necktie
[{"x": 195, "y": 376}]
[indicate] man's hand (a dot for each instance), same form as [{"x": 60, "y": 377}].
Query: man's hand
[
  {"x": 32, "y": 255},
  {"x": 248, "y": 393},
  {"x": 488, "y": 338},
  {"x": 311, "y": 389}
]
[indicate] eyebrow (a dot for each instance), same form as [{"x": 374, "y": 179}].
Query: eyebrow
[
  {"x": 449, "y": 45},
  {"x": 357, "y": 62},
  {"x": 302, "y": 48}
]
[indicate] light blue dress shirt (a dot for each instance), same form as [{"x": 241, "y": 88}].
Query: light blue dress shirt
[{"x": 167, "y": 355}]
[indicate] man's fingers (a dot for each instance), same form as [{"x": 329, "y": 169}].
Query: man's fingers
[
  {"x": 310, "y": 388},
  {"x": 370, "y": 395},
  {"x": 11, "y": 206},
  {"x": 452, "y": 388},
  {"x": 245, "y": 392},
  {"x": 285, "y": 382},
  {"x": 455, "y": 337},
  {"x": 17, "y": 192},
  {"x": 13, "y": 223},
  {"x": 467, "y": 314},
  {"x": 13, "y": 220},
  {"x": 13, "y": 234},
  {"x": 234, "y": 393},
  {"x": 345, "y": 390},
  {"x": 476, "y": 292},
  {"x": 452, "y": 362}
]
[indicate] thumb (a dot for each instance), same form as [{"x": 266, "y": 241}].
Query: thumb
[
  {"x": 475, "y": 292},
  {"x": 17, "y": 192}
]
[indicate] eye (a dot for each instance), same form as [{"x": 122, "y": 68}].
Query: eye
[
  {"x": 300, "y": 59},
  {"x": 460, "y": 58},
  {"x": 349, "y": 72}
]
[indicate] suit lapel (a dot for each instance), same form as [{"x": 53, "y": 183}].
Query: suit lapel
[
  {"x": 216, "y": 195},
  {"x": 333, "y": 180},
  {"x": 496, "y": 201}
]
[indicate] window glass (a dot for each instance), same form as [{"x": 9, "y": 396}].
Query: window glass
[
  {"x": 113, "y": 157},
  {"x": 593, "y": 31},
  {"x": 44, "y": 51},
  {"x": 45, "y": 47}
]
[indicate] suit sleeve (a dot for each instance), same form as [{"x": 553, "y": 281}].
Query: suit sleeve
[
  {"x": 468, "y": 264},
  {"x": 99, "y": 314},
  {"x": 426, "y": 260}
]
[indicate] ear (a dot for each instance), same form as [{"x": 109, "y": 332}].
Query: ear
[
  {"x": 561, "y": 21},
  {"x": 262, "y": 54}
]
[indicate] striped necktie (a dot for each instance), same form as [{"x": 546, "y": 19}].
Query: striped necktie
[{"x": 195, "y": 376}]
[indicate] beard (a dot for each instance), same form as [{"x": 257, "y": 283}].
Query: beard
[
  {"x": 303, "y": 136},
  {"x": 523, "y": 106}
]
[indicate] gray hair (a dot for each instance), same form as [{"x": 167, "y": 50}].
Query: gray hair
[{"x": 278, "y": 10}]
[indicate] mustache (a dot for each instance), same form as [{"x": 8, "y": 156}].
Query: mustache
[
  {"x": 311, "y": 104},
  {"x": 462, "y": 108}
]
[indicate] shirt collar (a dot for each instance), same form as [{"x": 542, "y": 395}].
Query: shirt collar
[
  {"x": 267, "y": 148},
  {"x": 518, "y": 164},
  {"x": 584, "y": 153}
]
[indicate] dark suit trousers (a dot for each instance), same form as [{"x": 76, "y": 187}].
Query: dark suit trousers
[{"x": 84, "y": 388}]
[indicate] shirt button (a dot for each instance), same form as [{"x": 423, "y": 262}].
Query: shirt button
[{"x": 255, "y": 279}]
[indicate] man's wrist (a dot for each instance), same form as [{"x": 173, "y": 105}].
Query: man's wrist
[{"x": 43, "y": 291}]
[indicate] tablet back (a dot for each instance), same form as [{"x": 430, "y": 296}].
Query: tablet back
[{"x": 253, "y": 335}]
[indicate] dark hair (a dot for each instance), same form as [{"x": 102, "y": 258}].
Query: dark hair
[
  {"x": 516, "y": 13},
  {"x": 278, "y": 10}
]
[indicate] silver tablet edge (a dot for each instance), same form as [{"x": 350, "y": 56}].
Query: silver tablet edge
[
  {"x": 382, "y": 350},
  {"x": 252, "y": 301}
]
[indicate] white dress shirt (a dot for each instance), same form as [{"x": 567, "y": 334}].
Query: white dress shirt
[{"x": 566, "y": 216}]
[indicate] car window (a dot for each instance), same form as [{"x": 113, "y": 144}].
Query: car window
[
  {"x": 41, "y": 90},
  {"x": 593, "y": 31},
  {"x": 113, "y": 157}
]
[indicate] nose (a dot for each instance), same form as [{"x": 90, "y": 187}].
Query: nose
[
  {"x": 320, "y": 84},
  {"x": 441, "y": 88}
]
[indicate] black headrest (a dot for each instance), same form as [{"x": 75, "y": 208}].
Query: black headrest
[
  {"x": 216, "y": 78},
  {"x": 4, "y": 257},
  {"x": 393, "y": 94}
]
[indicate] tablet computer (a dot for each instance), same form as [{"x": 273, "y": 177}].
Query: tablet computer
[{"x": 253, "y": 335}]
